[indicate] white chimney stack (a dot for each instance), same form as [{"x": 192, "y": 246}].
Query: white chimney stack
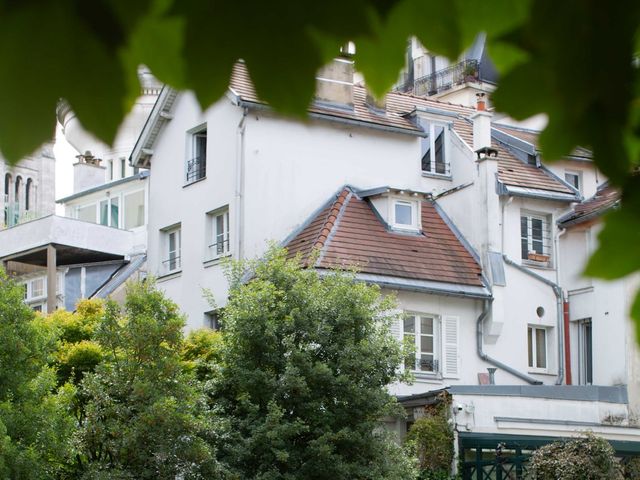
[
  {"x": 87, "y": 172},
  {"x": 335, "y": 83},
  {"x": 481, "y": 124}
]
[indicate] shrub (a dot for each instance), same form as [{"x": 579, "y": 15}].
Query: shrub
[
  {"x": 586, "y": 458},
  {"x": 430, "y": 440}
]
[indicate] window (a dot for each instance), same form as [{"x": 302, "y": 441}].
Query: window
[
  {"x": 435, "y": 149},
  {"x": 196, "y": 168},
  {"x": 218, "y": 227},
  {"x": 435, "y": 342},
  {"x": 420, "y": 331},
  {"x": 28, "y": 192},
  {"x": 109, "y": 212},
  {"x": 211, "y": 320},
  {"x": 585, "y": 352},
  {"x": 535, "y": 237},
  {"x": 110, "y": 169},
  {"x": 405, "y": 214},
  {"x": 123, "y": 167},
  {"x": 172, "y": 248},
  {"x": 537, "y": 347},
  {"x": 134, "y": 210},
  {"x": 574, "y": 179},
  {"x": 86, "y": 213}
]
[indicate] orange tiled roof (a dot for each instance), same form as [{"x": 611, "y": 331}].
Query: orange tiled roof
[
  {"x": 605, "y": 198},
  {"x": 347, "y": 233},
  {"x": 511, "y": 171}
]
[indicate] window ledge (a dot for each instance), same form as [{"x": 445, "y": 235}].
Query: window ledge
[
  {"x": 169, "y": 276},
  {"x": 424, "y": 376},
  {"x": 537, "y": 265},
  {"x": 194, "y": 182},
  {"x": 439, "y": 176},
  {"x": 216, "y": 260}
]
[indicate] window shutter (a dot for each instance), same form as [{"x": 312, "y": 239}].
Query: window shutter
[
  {"x": 396, "y": 328},
  {"x": 450, "y": 356}
]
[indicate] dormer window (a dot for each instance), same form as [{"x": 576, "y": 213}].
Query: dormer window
[
  {"x": 405, "y": 215},
  {"x": 435, "y": 148}
]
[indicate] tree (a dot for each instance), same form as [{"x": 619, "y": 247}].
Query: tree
[
  {"x": 587, "y": 458},
  {"x": 144, "y": 415},
  {"x": 35, "y": 423},
  {"x": 307, "y": 358}
]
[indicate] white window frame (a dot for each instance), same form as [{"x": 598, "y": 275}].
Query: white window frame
[
  {"x": 429, "y": 127},
  {"x": 214, "y": 237},
  {"x": 532, "y": 354},
  {"x": 417, "y": 335},
  {"x": 574, "y": 173},
  {"x": 193, "y": 137},
  {"x": 109, "y": 200},
  {"x": 533, "y": 256},
  {"x": 585, "y": 349},
  {"x": 415, "y": 214},
  {"x": 172, "y": 259}
]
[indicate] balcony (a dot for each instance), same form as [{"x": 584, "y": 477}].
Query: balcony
[
  {"x": 14, "y": 214},
  {"x": 196, "y": 169},
  {"x": 445, "y": 79}
]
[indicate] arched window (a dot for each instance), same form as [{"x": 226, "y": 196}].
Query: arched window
[
  {"x": 7, "y": 186},
  {"x": 27, "y": 194},
  {"x": 18, "y": 192}
]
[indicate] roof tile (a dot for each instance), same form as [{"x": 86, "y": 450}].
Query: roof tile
[{"x": 358, "y": 238}]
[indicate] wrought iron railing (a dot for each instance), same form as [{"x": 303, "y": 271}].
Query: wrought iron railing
[
  {"x": 456, "y": 74},
  {"x": 173, "y": 264},
  {"x": 196, "y": 168},
  {"x": 219, "y": 248}
]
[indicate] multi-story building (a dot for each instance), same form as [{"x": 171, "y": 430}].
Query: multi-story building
[
  {"x": 99, "y": 242},
  {"x": 454, "y": 213}
]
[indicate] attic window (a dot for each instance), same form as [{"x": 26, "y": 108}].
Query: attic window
[{"x": 405, "y": 215}]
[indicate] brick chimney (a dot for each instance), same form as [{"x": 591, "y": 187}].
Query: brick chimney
[
  {"x": 334, "y": 84},
  {"x": 87, "y": 172},
  {"x": 481, "y": 123}
]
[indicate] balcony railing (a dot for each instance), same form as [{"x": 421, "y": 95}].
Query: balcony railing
[
  {"x": 196, "y": 168},
  {"x": 13, "y": 215},
  {"x": 457, "y": 74}
]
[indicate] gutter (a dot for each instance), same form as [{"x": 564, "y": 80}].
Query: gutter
[
  {"x": 338, "y": 119},
  {"x": 560, "y": 312},
  {"x": 493, "y": 361}
]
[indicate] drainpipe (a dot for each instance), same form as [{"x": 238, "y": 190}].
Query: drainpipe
[
  {"x": 567, "y": 345},
  {"x": 560, "y": 312},
  {"x": 485, "y": 312},
  {"x": 239, "y": 194}
]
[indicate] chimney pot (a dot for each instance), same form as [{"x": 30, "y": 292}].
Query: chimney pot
[
  {"x": 492, "y": 375},
  {"x": 481, "y": 105}
]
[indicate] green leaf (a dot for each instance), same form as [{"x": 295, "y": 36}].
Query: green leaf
[
  {"x": 157, "y": 42},
  {"x": 618, "y": 254},
  {"x": 67, "y": 61},
  {"x": 635, "y": 315}
]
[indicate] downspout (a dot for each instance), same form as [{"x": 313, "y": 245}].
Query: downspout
[
  {"x": 239, "y": 194},
  {"x": 560, "y": 312},
  {"x": 565, "y": 312},
  {"x": 485, "y": 312}
]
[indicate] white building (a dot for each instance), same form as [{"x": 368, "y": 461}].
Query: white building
[
  {"x": 455, "y": 215},
  {"x": 99, "y": 242}
]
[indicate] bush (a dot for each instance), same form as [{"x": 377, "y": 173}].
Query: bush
[
  {"x": 587, "y": 458},
  {"x": 430, "y": 440}
]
